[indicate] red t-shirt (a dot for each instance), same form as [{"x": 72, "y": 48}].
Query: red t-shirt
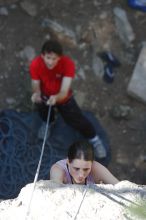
[{"x": 51, "y": 79}]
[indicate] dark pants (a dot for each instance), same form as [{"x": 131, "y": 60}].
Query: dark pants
[{"x": 72, "y": 115}]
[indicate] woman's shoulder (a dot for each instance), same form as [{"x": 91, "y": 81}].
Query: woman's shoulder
[
  {"x": 59, "y": 165},
  {"x": 102, "y": 174},
  {"x": 97, "y": 165},
  {"x": 97, "y": 170},
  {"x": 61, "y": 162},
  {"x": 57, "y": 173}
]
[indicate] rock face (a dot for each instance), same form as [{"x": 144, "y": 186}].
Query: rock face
[
  {"x": 124, "y": 28},
  {"x": 64, "y": 202},
  {"x": 137, "y": 84}
]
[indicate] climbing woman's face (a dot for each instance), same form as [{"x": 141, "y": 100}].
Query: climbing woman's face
[
  {"x": 50, "y": 59},
  {"x": 79, "y": 169}
]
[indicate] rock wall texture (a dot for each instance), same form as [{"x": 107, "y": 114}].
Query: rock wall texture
[{"x": 48, "y": 200}]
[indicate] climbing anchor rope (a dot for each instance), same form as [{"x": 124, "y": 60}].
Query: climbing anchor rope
[
  {"x": 83, "y": 197},
  {"x": 39, "y": 164}
]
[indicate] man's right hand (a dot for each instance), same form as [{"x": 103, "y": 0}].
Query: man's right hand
[{"x": 36, "y": 97}]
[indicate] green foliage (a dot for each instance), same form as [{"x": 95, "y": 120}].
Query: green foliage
[{"x": 138, "y": 211}]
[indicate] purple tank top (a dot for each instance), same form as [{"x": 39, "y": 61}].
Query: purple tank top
[{"x": 63, "y": 164}]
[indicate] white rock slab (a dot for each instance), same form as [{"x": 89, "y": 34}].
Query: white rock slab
[
  {"x": 75, "y": 202},
  {"x": 123, "y": 25},
  {"x": 137, "y": 84}
]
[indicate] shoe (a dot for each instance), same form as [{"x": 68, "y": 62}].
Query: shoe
[
  {"x": 41, "y": 132},
  {"x": 108, "y": 74},
  {"x": 99, "y": 149},
  {"x": 137, "y": 4},
  {"x": 109, "y": 58}
]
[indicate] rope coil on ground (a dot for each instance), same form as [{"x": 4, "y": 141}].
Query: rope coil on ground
[{"x": 18, "y": 158}]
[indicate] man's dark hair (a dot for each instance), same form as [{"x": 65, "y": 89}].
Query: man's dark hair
[
  {"x": 52, "y": 46},
  {"x": 81, "y": 150}
]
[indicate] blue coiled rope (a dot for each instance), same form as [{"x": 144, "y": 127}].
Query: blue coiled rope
[
  {"x": 20, "y": 148},
  {"x": 18, "y": 158}
]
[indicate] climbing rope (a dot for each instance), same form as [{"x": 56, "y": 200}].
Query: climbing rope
[
  {"x": 39, "y": 164},
  {"x": 83, "y": 197}
]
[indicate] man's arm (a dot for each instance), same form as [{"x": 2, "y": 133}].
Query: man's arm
[
  {"x": 65, "y": 86},
  {"x": 36, "y": 91}
]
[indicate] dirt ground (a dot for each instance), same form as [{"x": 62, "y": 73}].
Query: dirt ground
[{"x": 18, "y": 29}]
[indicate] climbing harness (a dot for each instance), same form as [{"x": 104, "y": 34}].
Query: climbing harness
[{"x": 39, "y": 164}]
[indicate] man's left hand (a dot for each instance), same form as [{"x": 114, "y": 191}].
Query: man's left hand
[{"x": 52, "y": 100}]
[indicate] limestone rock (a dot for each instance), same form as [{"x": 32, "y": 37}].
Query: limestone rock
[
  {"x": 64, "y": 202},
  {"x": 137, "y": 84},
  {"x": 123, "y": 25},
  {"x": 121, "y": 112},
  {"x": 4, "y": 11},
  {"x": 28, "y": 53},
  {"x": 29, "y": 8},
  {"x": 62, "y": 33}
]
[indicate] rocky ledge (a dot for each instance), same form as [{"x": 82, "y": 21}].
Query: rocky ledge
[{"x": 48, "y": 200}]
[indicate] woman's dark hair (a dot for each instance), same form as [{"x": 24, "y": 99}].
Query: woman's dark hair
[
  {"x": 52, "y": 46},
  {"x": 81, "y": 150}
]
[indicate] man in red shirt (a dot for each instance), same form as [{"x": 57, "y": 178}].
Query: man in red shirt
[{"x": 52, "y": 73}]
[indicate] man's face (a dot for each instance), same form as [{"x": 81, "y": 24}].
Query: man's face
[
  {"x": 79, "y": 169},
  {"x": 50, "y": 59}
]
